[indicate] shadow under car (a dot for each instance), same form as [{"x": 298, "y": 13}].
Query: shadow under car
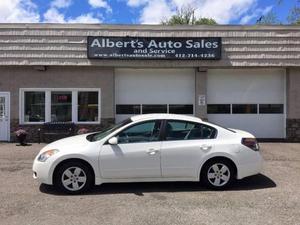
[{"x": 255, "y": 182}]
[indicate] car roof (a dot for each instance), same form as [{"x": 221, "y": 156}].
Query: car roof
[{"x": 162, "y": 116}]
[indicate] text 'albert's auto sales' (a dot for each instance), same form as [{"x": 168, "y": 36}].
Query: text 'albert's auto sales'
[{"x": 168, "y": 48}]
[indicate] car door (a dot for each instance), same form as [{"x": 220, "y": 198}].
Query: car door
[
  {"x": 183, "y": 146},
  {"x": 137, "y": 154}
]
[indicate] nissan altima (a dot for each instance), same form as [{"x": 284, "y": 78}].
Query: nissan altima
[{"x": 151, "y": 147}]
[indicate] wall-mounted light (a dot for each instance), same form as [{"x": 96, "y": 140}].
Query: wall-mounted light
[
  {"x": 202, "y": 69},
  {"x": 40, "y": 68}
]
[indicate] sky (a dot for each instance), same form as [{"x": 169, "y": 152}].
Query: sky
[{"x": 137, "y": 11}]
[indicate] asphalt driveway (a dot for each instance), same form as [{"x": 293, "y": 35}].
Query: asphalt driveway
[{"x": 272, "y": 197}]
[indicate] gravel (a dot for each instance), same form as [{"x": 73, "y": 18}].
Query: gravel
[{"x": 272, "y": 197}]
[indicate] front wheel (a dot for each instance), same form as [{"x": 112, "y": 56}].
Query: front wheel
[
  {"x": 218, "y": 174},
  {"x": 73, "y": 178}
]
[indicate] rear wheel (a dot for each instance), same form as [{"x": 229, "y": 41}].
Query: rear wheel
[
  {"x": 73, "y": 178},
  {"x": 218, "y": 174}
]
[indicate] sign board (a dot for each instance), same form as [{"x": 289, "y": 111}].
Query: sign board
[
  {"x": 202, "y": 48},
  {"x": 201, "y": 100}
]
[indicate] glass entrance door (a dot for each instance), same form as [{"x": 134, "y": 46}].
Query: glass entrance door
[{"x": 4, "y": 117}]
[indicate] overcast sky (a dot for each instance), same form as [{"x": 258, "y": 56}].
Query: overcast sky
[{"x": 136, "y": 11}]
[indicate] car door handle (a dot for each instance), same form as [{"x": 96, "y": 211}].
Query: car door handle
[
  {"x": 205, "y": 147},
  {"x": 152, "y": 151}
]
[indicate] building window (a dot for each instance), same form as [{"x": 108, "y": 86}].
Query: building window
[
  {"x": 128, "y": 109},
  {"x": 87, "y": 106},
  {"x": 181, "y": 109},
  {"x": 244, "y": 109},
  {"x": 270, "y": 108},
  {"x": 122, "y": 109},
  {"x": 34, "y": 106},
  {"x": 60, "y": 105},
  {"x": 2, "y": 107},
  {"x": 154, "y": 109},
  {"x": 218, "y": 108}
]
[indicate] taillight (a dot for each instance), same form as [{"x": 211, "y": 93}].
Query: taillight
[{"x": 251, "y": 143}]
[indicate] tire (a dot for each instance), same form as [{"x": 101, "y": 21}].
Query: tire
[
  {"x": 218, "y": 174},
  {"x": 73, "y": 177}
]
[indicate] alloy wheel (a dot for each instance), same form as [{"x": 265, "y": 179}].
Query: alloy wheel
[
  {"x": 218, "y": 174},
  {"x": 73, "y": 178}
]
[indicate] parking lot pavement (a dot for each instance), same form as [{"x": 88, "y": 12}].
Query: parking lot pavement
[{"x": 272, "y": 197}]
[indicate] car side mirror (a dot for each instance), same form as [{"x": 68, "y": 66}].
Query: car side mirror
[{"x": 113, "y": 141}]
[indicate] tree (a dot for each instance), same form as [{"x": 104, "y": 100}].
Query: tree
[
  {"x": 205, "y": 21},
  {"x": 269, "y": 19},
  {"x": 292, "y": 18},
  {"x": 294, "y": 14},
  {"x": 186, "y": 16}
]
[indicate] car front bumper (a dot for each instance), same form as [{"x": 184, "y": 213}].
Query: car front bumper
[{"x": 41, "y": 172}]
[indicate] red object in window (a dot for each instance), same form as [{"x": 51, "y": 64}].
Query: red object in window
[{"x": 62, "y": 98}]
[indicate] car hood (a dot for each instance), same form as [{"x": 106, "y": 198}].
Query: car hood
[
  {"x": 69, "y": 143},
  {"x": 243, "y": 133}
]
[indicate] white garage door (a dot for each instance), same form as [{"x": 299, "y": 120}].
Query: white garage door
[
  {"x": 251, "y": 100},
  {"x": 141, "y": 91}
]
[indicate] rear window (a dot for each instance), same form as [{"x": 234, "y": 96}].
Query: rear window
[
  {"x": 223, "y": 127},
  {"x": 184, "y": 130}
]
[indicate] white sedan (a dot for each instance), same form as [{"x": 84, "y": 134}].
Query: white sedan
[{"x": 151, "y": 147}]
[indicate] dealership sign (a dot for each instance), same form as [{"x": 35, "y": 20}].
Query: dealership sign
[{"x": 154, "y": 48}]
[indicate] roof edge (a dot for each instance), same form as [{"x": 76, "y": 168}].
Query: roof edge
[{"x": 147, "y": 27}]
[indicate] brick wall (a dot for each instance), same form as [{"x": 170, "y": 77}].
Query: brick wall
[{"x": 35, "y": 136}]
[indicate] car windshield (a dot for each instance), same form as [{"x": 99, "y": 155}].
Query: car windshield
[{"x": 102, "y": 134}]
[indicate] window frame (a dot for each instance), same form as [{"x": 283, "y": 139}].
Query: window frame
[
  {"x": 163, "y": 131},
  {"x": 184, "y": 105},
  {"x": 220, "y": 113},
  {"x": 149, "y": 105},
  {"x": 23, "y": 109},
  {"x": 133, "y": 105},
  {"x": 168, "y": 108},
  {"x": 52, "y": 105},
  {"x": 48, "y": 91},
  {"x": 271, "y": 113},
  {"x": 245, "y": 104},
  {"x": 99, "y": 107}
]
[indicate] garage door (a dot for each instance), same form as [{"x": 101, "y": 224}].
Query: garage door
[
  {"x": 141, "y": 91},
  {"x": 251, "y": 100}
]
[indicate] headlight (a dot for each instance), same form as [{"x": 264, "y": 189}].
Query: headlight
[{"x": 45, "y": 155}]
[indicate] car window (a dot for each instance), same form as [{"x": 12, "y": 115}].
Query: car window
[
  {"x": 184, "y": 130},
  {"x": 102, "y": 134},
  {"x": 142, "y": 132}
]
